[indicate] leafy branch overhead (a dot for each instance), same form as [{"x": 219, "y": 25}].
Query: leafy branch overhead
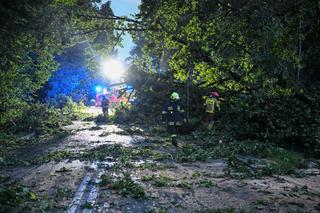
[
  {"x": 230, "y": 44},
  {"x": 33, "y": 33}
]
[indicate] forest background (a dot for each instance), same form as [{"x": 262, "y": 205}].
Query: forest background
[{"x": 262, "y": 57}]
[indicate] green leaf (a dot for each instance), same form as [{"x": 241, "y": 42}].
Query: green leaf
[{"x": 33, "y": 196}]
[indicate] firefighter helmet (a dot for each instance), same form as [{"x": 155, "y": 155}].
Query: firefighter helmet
[
  {"x": 215, "y": 94},
  {"x": 174, "y": 96}
]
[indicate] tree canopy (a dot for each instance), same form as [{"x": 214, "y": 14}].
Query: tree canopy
[
  {"x": 232, "y": 44},
  {"x": 34, "y": 33},
  {"x": 262, "y": 57},
  {"x": 265, "y": 53}
]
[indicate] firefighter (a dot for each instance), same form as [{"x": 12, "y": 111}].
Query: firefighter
[
  {"x": 212, "y": 106},
  {"x": 174, "y": 115},
  {"x": 105, "y": 105}
]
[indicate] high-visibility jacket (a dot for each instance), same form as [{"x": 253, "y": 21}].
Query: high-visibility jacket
[
  {"x": 173, "y": 113},
  {"x": 212, "y": 105}
]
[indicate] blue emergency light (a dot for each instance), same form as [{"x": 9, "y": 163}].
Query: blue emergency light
[{"x": 98, "y": 89}]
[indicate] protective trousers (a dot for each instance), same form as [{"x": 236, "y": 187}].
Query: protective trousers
[{"x": 173, "y": 134}]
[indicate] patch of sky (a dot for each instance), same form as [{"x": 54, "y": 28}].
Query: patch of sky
[{"x": 125, "y": 8}]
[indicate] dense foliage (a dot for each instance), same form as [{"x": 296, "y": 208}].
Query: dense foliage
[
  {"x": 232, "y": 44},
  {"x": 286, "y": 119},
  {"x": 19, "y": 198},
  {"x": 261, "y": 57},
  {"x": 33, "y": 33}
]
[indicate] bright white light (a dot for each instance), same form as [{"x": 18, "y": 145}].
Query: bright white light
[
  {"x": 113, "y": 69},
  {"x": 98, "y": 89}
]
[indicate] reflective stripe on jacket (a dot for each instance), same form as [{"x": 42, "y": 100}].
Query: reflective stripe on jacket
[
  {"x": 173, "y": 113},
  {"x": 212, "y": 105}
]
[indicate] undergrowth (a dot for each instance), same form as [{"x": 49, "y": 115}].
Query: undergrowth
[
  {"x": 124, "y": 185},
  {"x": 15, "y": 197},
  {"x": 248, "y": 158},
  {"x": 38, "y": 123}
]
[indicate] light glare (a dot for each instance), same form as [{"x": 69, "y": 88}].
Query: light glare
[
  {"x": 98, "y": 89},
  {"x": 113, "y": 69}
]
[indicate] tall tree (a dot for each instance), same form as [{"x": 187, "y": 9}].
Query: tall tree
[
  {"x": 232, "y": 44},
  {"x": 34, "y": 32}
]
